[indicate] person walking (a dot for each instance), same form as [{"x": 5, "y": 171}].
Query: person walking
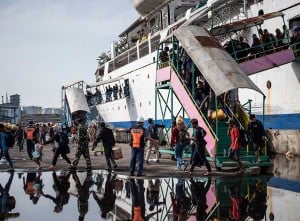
[
  {"x": 183, "y": 141},
  {"x": 4, "y": 148},
  {"x": 83, "y": 144},
  {"x": 20, "y": 137},
  {"x": 29, "y": 135},
  {"x": 137, "y": 144},
  {"x": 235, "y": 146},
  {"x": 198, "y": 156},
  {"x": 108, "y": 141},
  {"x": 152, "y": 141},
  {"x": 37, "y": 153},
  {"x": 258, "y": 135},
  {"x": 61, "y": 140}
]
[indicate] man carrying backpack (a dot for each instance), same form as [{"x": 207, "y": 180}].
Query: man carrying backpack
[
  {"x": 153, "y": 140},
  {"x": 198, "y": 156},
  {"x": 4, "y": 147},
  {"x": 62, "y": 142},
  {"x": 258, "y": 135}
]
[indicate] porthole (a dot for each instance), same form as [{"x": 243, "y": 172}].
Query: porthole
[{"x": 269, "y": 84}]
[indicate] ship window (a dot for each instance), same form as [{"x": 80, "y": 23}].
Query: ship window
[
  {"x": 132, "y": 105},
  {"x": 132, "y": 80},
  {"x": 148, "y": 76},
  {"x": 140, "y": 104},
  {"x": 119, "y": 107},
  {"x": 149, "y": 102},
  {"x": 125, "y": 107},
  {"x": 269, "y": 84}
]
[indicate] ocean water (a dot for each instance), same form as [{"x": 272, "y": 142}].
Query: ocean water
[{"x": 100, "y": 195}]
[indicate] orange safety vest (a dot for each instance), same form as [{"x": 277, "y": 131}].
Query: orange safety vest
[
  {"x": 29, "y": 132},
  {"x": 136, "y": 134}
]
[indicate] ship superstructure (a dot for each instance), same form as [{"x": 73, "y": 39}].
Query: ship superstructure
[{"x": 132, "y": 80}]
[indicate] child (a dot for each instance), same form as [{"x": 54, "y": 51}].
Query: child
[{"x": 37, "y": 154}]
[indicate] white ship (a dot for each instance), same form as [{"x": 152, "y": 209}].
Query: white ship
[{"x": 268, "y": 83}]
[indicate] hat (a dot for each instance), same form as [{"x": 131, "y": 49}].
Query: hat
[
  {"x": 150, "y": 120},
  {"x": 31, "y": 122},
  {"x": 194, "y": 121},
  {"x": 230, "y": 121},
  {"x": 140, "y": 120},
  {"x": 102, "y": 124}
]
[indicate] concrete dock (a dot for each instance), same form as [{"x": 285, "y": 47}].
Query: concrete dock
[{"x": 165, "y": 168}]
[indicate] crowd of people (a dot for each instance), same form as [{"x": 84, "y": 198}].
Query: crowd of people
[
  {"x": 109, "y": 93},
  {"x": 263, "y": 43}
]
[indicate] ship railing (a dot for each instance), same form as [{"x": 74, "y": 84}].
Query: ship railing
[
  {"x": 164, "y": 64},
  {"x": 260, "y": 50}
]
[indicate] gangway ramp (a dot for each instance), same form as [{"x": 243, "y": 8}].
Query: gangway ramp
[
  {"x": 76, "y": 100},
  {"x": 168, "y": 74}
]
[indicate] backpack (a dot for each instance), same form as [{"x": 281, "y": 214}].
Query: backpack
[
  {"x": 244, "y": 137},
  {"x": 64, "y": 139},
  {"x": 10, "y": 139},
  {"x": 153, "y": 131},
  {"x": 182, "y": 138}
]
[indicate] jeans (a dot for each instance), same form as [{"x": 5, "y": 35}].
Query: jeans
[
  {"x": 178, "y": 155},
  {"x": 137, "y": 154}
]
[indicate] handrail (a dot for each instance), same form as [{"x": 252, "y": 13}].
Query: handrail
[
  {"x": 233, "y": 115},
  {"x": 274, "y": 48},
  {"x": 194, "y": 102}
]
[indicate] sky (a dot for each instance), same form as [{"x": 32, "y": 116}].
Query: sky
[{"x": 45, "y": 44}]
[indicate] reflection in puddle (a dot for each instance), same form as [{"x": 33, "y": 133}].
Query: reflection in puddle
[{"x": 100, "y": 195}]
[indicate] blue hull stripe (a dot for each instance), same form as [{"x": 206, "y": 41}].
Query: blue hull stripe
[
  {"x": 276, "y": 121},
  {"x": 281, "y": 121}
]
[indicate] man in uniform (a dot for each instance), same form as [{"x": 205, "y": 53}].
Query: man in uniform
[
  {"x": 83, "y": 143},
  {"x": 29, "y": 135},
  {"x": 137, "y": 144}
]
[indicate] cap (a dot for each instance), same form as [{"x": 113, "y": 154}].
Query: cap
[
  {"x": 194, "y": 121},
  {"x": 230, "y": 121},
  {"x": 140, "y": 119}
]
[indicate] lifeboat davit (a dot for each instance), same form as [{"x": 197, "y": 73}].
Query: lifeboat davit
[{"x": 144, "y": 7}]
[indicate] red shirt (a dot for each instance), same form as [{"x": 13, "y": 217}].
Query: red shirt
[
  {"x": 174, "y": 136},
  {"x": 234, "y": 135}
]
